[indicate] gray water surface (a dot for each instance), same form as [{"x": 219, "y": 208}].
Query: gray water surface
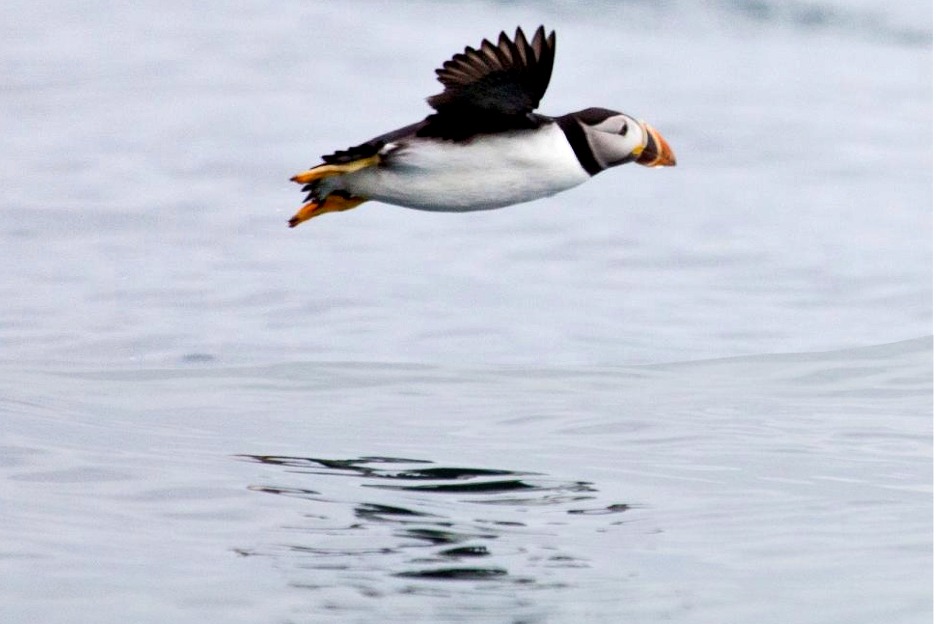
[
  {"x": 700, "y": 394},
  {"x": 765, "y": 488}
]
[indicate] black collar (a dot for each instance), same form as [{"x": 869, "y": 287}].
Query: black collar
[{"x": 575, "y": 134}]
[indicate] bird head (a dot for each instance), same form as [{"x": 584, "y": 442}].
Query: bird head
[{"x": 616, "y": 138}]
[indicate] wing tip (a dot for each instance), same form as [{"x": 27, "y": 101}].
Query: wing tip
[{"x": 530, "y": 61}]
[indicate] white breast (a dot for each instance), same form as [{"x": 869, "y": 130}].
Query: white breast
[{"x": 489, "y": 172}]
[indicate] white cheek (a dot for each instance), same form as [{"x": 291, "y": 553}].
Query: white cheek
[
  {"x": 644, "y": 138},
  {"x": 635, "y": 138},
  {"x": 613, "y": 125},
  {"x": 613, "y": 147}
]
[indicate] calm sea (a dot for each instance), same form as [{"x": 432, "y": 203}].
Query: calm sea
[{"x": 700, "y": 394}]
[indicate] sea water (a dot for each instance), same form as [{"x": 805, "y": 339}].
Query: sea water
[{"x": 699, "y": 394}]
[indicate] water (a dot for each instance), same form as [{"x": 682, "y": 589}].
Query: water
[{"x": 697, "y": 394}]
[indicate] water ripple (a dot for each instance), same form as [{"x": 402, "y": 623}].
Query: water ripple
[{"x": 438, "y": 529}]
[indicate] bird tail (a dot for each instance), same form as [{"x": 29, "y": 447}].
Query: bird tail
[{"x": 324, "y": 192}]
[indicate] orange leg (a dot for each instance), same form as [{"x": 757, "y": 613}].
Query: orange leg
[
  {"x": 326, "y": 171},
  {"x": 336, "y": 202}
]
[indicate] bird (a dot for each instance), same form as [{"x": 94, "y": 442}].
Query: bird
[{"x": 483, "y": 147}]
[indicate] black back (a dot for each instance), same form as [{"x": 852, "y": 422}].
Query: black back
[{"x": 494, "y": 88}]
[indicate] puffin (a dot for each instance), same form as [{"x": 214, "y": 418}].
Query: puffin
[{"x": 484, "y": 147}]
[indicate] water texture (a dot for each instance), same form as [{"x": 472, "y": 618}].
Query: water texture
[{"x": 700, "y": 394}]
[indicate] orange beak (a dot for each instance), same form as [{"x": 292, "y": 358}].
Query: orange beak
[{"x": 657, "y": 152}]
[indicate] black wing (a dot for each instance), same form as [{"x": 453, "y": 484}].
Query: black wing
[
  {"x": 492, "y": 88},
  {"x": 372, "y": 147}
]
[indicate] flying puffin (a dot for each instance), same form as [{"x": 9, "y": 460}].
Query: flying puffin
[{"x": 484, "y": 147}]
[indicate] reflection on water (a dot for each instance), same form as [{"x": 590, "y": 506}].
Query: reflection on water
[
  {"x": 693, "y": 492},
  {"x": 439, "y": 528}
]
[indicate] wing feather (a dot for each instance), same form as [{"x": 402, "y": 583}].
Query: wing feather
[
  {"x": 506, "y": 79},
  {"x": 493, "y": 88}
]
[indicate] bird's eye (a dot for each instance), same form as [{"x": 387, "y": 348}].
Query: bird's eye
[{"x": 624, "y": 130}]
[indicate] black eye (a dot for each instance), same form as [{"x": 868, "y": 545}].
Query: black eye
[{"x": 624, "y": 130}]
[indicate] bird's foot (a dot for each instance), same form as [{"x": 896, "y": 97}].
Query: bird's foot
[
  {"x": 336, "y": 202},
  {"x": 327, "y": 171}
]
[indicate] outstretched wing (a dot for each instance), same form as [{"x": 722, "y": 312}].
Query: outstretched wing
[
  {"x": 491, "y": 89},
  {"x": 494, "y": 87}
]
